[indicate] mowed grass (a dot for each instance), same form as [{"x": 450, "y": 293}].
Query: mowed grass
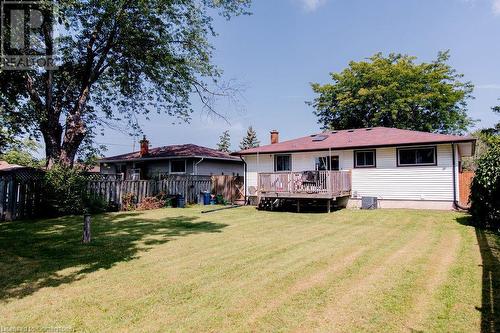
[{"x": 245, "y": 270}]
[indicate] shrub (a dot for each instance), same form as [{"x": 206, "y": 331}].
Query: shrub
[
  {"x": 152, "y": 202},
  {"x": 65, "y": 190},
  {"x": 65, "y": 193},
  {"x": 128, "y": 201},
  {"x": 485, "y": 190}
]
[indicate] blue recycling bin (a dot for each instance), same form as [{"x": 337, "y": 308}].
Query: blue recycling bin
[{"x": 206, "y": 198}]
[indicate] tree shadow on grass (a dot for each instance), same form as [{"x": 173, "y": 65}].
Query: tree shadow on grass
[
  {"x": 33, "y": 253},
  {"x": 489, "y": 245}
]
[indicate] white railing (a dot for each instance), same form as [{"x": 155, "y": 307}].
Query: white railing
[{"x": 325, "y": 182}]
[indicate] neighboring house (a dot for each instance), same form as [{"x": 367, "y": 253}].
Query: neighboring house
[
  {"x": 187, "y": 159},
  {"x": 401, "y": 168}
]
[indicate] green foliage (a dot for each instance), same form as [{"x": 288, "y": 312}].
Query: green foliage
[
  {"x": 486, "y": 138},
  {"x": 224, "y": 142},
  {"x": 65, "y": 190},
  {"x": 395, "y": 91},
  {"x": 117, "y": 61},
  {"x": 22, "y": 153},
  {"x": 65, "y": 193},
  {"x": 485, "y": 189},
  {"x": 250, "y": 140}
]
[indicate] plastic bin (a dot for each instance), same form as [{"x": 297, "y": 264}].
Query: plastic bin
[
  {"x": 206, "y": 198},
  {"x": 181, "y": 201}
]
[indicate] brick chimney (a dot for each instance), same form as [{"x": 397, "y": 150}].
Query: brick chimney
[
  {"x": 144, "y": 147},
  {"x": 275, "y": 137}
]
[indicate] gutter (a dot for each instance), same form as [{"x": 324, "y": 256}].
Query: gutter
[
  {"x": 456, "y": 204},
  {"x": 196, "y": 165},
  {"x": 245, "y": 177}
]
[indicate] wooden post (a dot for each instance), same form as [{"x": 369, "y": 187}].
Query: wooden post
[
  {"x": 328, "y": 205},
  {"x": 86, "y": 228},
  {"x": 298, "y": 205}
]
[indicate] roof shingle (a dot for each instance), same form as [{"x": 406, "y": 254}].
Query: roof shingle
[
  {"x": 173, "y": 151},
  {"x": 357, "y": 138}
]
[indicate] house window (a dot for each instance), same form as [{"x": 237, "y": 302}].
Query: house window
[
  {"x": 282, "y": 163},
  {"x": 325, "y": 162},
  {"x": 177, "y": 166},
  {"x": 364, "y": 158},
  {"x": 417, "y": 156}
]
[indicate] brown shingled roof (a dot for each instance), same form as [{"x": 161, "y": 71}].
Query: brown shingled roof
[
  {"x": 357, "y": 138},
  {"x": 174, "y": 151}
]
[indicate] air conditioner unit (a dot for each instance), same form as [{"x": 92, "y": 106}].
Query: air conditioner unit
[{"x": 368, "y": 202}]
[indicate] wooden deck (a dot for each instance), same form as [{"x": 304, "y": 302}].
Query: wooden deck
[{"x": 305, "y": 184}]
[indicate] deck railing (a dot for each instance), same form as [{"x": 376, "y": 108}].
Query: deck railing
[{"x": 337, "y": 183}]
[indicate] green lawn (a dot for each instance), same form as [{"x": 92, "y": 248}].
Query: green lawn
[{"x": 246, "y": 270}]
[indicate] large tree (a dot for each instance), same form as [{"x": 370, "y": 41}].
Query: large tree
[
  {"x": 117, "y": 60},
  {"x": 395, "y": 91}
]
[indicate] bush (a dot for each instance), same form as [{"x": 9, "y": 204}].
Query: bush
[
  {"x": 128, "y": 201},
  {"x": 65, "y": 193},
  {"x": 65, "y": 190},
  {"x": 485, "y": 190}
]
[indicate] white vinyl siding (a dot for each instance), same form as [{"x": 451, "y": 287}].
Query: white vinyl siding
[{"x": 386, "y": 181}]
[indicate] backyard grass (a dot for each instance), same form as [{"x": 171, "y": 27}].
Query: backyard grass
[{"x": 246, "y": 270}]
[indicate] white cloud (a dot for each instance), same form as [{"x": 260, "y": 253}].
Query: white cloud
[
  {"x": 312, "y": 5},
  {"x": 496, "y": 7}
]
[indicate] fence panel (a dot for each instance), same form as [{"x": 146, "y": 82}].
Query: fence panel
[
  {"x": 20, "y": 195},
  {"x": 464, "y": 182},
  {"x": 187, "y": 186}
]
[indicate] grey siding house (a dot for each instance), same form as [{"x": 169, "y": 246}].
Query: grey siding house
[{"x": 156, "y": 163}]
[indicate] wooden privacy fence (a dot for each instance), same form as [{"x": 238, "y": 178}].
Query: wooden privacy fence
[
  {"x": 20, "y": 195},
  {"x": 188, "y": 186},
  {"x": 464, "y": 182},
  {"x": 231, "y": 188}
]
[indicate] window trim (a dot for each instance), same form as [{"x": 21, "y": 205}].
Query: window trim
[
  {"x": 374, "y": 151},
  {"x": 176, "y": 172},
  {"x": 275, "y": 164},
  {"x": 416, "y": 164}
]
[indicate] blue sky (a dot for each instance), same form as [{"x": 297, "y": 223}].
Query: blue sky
[{"x": 286, "y": 44}]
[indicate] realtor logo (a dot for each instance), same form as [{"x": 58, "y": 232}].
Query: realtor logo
[{"x": 27, "y": 40}]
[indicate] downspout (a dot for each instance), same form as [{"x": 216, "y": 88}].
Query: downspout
[
  {"x": 245, "y": 177},
  {"x": 456, "y": 204},
  {"x": 196, "y": 165}
]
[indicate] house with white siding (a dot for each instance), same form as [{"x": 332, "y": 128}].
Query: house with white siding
[{"x": 400, "y": 168}]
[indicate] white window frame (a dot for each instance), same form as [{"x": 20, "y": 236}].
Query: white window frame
[
  {"x": 177, "y": 173},
  {"x": 374, "y": 165}
]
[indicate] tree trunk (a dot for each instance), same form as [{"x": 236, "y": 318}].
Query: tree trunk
[{"x": 86, "y": 228}]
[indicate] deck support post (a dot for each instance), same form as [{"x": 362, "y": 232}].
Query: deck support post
[
  {"x": 328, "y": 206},
  {"x": 298, "y": 205}
]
